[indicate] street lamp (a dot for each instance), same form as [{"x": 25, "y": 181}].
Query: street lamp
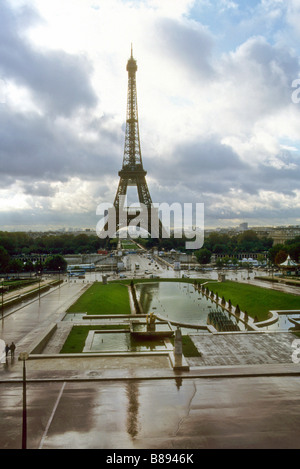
[
  {"x": 39, "y": 274},
  {"x": 2, "y": 296},
  {"x": 24, "y": 356}
]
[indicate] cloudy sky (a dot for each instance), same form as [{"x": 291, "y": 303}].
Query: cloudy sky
[{"x": 218, "y": 105}]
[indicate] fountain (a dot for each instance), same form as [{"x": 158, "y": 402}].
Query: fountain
[{"x": 151, "y": 328}]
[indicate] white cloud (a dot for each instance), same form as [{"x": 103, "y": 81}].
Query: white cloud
[
  {"x": 172, "y": 8},
  {"x": 213, "y": 127}
]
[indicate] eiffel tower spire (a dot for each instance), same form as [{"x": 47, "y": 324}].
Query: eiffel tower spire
[
  {"x": 132, "y": 172},
  {"x": 132, "y": 150}
]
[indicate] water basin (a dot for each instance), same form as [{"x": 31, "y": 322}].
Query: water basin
[
  {"x": 151, "y": 331},
  {"x": 109, "y": 342},
  {"x": 175, "y": 301}
]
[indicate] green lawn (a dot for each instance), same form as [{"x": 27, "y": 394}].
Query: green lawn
[
  {"x": 128, "y": 245},
  {"x": 112, "y": 298},
  {"x": 153, "y": 280},
  {"x": 78, "y": 334},
  {"x": 257, "y": 301}
]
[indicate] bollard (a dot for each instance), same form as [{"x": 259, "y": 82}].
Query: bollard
[{"x": 178, "y": 347}]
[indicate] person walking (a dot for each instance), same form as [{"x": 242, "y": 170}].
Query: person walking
[
  {"x": 12, "y": 349},
  {"x": 6, "y": 350}
]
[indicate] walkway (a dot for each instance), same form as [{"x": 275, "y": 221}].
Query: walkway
[{"x": 243, "y": 392}]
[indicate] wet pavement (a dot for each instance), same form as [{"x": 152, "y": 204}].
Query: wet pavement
[
  {"x": 19, "y": 320},
  {"x": 135, "y": 402},
  {"x": 252, "y": 412}
]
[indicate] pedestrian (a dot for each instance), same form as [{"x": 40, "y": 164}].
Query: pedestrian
[
  {"x": 6, "y": 349},
  {"x": 12, "y": 349}
]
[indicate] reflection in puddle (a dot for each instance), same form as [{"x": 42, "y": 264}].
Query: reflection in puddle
[{"x": 132, "y": 391}]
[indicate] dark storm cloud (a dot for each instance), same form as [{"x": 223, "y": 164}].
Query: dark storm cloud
[
  {"x": 39, "y": 189},
  {"x": 207, "y": 170},
  {"x": 36, "y": 147},
  {"x": 208, "y": 164},
  {"x": 283, "y": 179},
  {"x": 57, "y": 80},
  {"x": 33, "y": 148}
]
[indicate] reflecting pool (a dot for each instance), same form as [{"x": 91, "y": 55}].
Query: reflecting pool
[
  {"x": 283, "y": 323},
  {"x": 175, "y": 301},
  {"x": 107, "y": 342}
]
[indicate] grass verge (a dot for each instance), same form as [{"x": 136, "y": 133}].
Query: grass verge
[
  {"x": 257, "y": 301},
  {"x": 78, "y": 334},
  {"x": 112, "y": 298}
]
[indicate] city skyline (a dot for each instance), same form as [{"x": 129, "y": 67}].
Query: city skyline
[{"x": 215, "y": 84}]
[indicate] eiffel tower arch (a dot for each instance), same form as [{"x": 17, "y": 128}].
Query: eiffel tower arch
[{"x": 132, "y": 172}]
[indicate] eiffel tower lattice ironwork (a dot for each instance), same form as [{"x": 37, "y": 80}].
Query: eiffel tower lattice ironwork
[{"x": 132, "y": 172}]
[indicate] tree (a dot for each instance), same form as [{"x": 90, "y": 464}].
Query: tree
[
  {"x": 280, "y": 257},
  {"x": 275, "y": 250},
  {"x": 261, "y": 259},
  {"x": 15, "y": 265},
  {"x": 203, "y": 256},
  {"x": 226, "y": 260},
  {"x": 56, "y": 262},
  {"x": 28, "y": 266},
  {"x": 219, "y": 262},
  {"x": 4, "y": 259},
  {"x": 293, "y": 246},
  {"x": 294, "y": 251}
]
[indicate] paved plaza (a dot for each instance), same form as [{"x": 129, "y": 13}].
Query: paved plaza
[
  {"x": 242, "y": 392},
  {"x": 251, "y": 348}
]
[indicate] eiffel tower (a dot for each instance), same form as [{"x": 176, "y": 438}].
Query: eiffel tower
[{"x": 132, "y": 172}]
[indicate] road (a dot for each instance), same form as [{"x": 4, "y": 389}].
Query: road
[{"x": 158, "y": 268}]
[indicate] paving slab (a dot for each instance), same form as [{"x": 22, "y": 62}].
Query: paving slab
[{"x": 249, "y": 348}]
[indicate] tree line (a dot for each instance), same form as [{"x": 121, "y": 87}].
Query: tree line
[
  {"x": 52, "y": 263},
  {"x": 53, "y": 245},
  {"x": 17, "y": 243},
  {"x": 279, "y": 252},
  {"x": 21, "y": 243},
  {"x": 248, "y": 242}
]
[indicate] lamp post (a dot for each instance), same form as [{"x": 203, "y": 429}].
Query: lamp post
[
  {"x": 2, "y": 306},
  {"x": 24, "y": 356},
  {"x": 39, "y": 274}
]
